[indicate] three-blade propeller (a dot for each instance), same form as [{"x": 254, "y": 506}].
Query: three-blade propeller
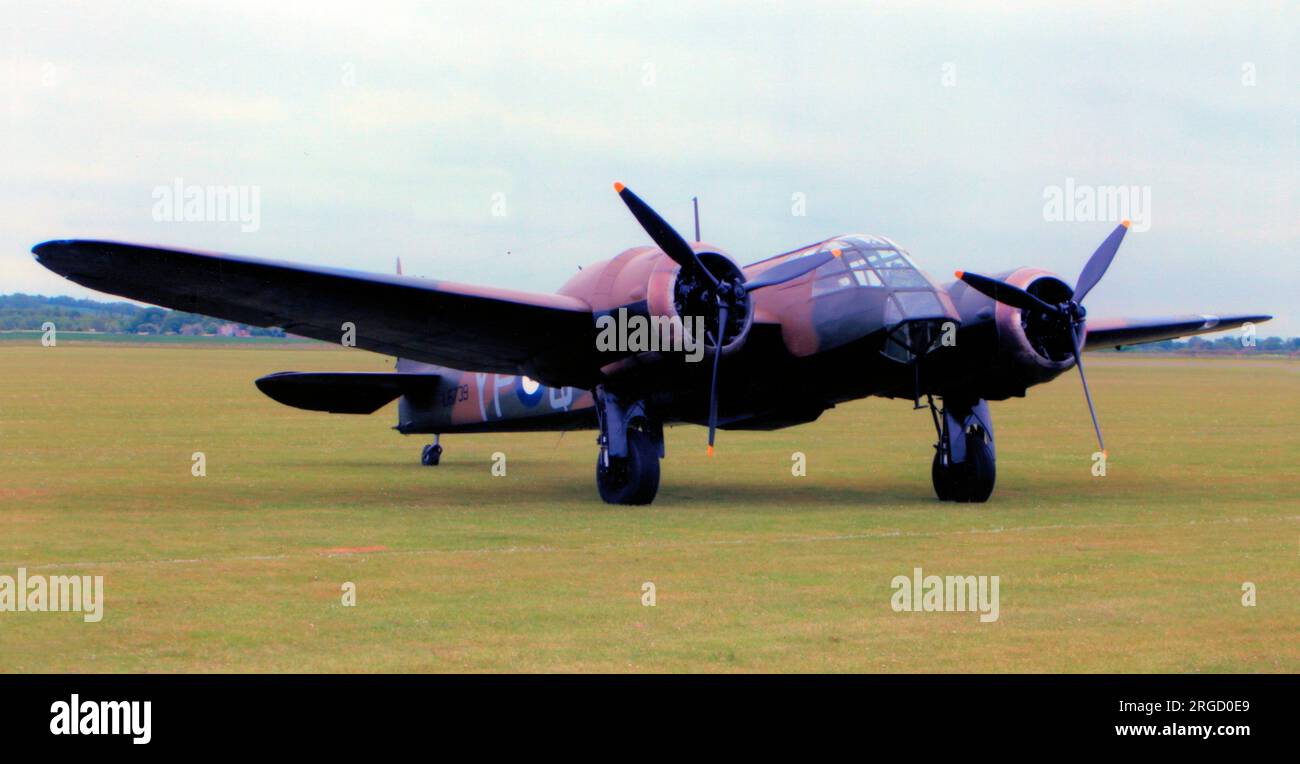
[
  {"x": 730, "y": 292},
  {"x": 1070, "y": 315}
]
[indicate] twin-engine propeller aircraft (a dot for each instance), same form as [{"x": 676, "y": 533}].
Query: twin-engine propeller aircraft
[{"x": 784, "y": 339}]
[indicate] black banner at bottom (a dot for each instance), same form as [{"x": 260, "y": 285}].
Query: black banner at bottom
[{"x": 217, "y": 713}]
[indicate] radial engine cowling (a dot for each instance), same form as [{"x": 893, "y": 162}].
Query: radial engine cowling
[
  {"x": 646, "y": 282},
  {"x": 1030, "y": 348},
  {"x": 677, "y": 295}
]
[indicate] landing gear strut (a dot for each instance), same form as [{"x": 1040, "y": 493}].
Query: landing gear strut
[
  {"x": 965, "y": 464},
  {"x": 432, "y": 453},
  {"x": 631, "y": 444}
]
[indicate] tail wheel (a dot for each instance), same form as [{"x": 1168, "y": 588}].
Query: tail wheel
[{"x": 631, "y": 479}]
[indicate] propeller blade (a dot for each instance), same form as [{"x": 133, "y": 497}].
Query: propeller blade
[
  {"x": 1096, "y": 266},
  {"x": 713, "y": 386},
  {"x": 790, "y": 270},
  {"x": 1078, "y": 361},
  {"x": 661, "y": 233},
  {"x": 1005, "y": 293}
]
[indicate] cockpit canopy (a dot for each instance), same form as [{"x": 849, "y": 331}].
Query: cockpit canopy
[{"x": 915, "y": 308}]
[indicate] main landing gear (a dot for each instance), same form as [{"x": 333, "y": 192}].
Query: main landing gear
[
  {"x": 432, "y": 453},
  {"x": 631, "y": 445},
  {"x": 965, "y": 465}
]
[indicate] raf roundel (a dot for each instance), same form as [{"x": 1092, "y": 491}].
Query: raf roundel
[{"x": 529, "y": 391}]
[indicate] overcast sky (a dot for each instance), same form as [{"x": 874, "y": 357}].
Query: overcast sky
[{"x": 370, "y": 131}]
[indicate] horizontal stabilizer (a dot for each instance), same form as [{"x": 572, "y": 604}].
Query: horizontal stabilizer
[{"x": 344, "y": 392}]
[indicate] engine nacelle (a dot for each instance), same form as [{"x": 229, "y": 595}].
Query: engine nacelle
[
  {"x": 1029, "y": 350},
  {"x": 673, "y": 295},
  {"x": 1027, "y": 336},
  {"x": 650, "y": 284}
]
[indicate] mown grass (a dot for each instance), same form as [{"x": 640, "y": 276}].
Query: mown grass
[{"x": 755, "y": 570}]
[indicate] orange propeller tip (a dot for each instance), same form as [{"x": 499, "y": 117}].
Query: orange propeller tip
[
  {"x": 1124, "y": 223},
  {"x": 959, "y": 274},
  {"x": 710, "y": 452},
  {"x": 836, "y": 253},
  {"x": 618, "y": 187}
]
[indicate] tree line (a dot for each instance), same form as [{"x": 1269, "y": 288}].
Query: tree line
[{"x": 19, "y": 312}]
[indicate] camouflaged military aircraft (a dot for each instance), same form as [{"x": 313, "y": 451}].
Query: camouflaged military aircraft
[{"x": 788, "y": 337}]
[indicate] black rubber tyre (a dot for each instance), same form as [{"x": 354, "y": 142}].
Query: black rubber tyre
[
  {"x": 633, "y": 479},
  {"x": 431, "y": 455},
  {"x": 974, "y": 478},
  {"x": 941, "y": 477}
]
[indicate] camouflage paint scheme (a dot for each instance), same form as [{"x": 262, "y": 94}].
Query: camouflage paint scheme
[
  {"x": 814, "y": 341},
  {"x": 467, "y": 401},
  {"x": 786, "y": 338},
  {"x": 785, "y": 353}
]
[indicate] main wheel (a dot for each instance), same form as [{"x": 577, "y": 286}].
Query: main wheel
[
  {"x": 631, "y": 479},
  {"x": 430, "y": 455},
  {"x": 941, "y": 475},
  {"x": 974, "y": 478}
]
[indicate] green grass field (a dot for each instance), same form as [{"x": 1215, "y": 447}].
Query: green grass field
[{"x": 755, "y": 570}]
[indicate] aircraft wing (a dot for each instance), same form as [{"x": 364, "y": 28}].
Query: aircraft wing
[
  {"x": 1112, "y": 332},
  {"x": 548, "y": 337}
]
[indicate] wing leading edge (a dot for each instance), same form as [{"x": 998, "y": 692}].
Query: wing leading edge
[
  {"x": 1113, "y": 332},
  {"x": 550, "y": 338}
]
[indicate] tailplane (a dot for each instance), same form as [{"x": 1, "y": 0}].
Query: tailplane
[{"x": 346, "y": 392}]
